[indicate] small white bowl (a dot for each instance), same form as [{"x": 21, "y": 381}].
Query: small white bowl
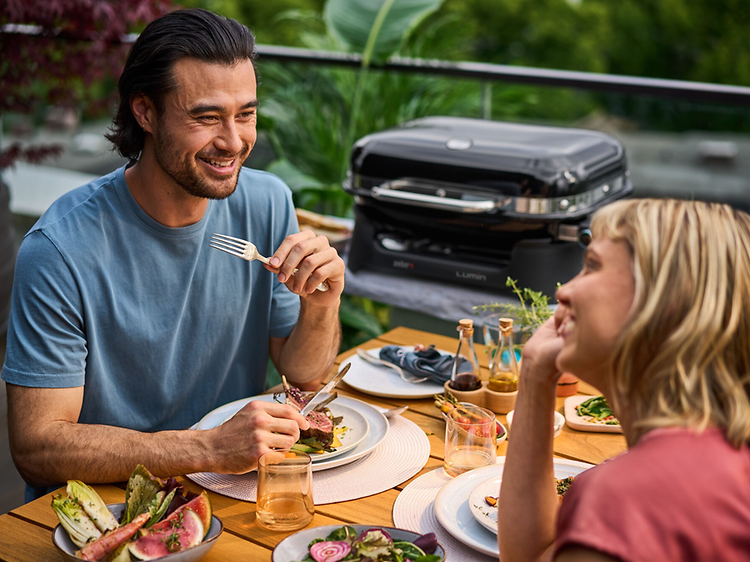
[
  {"x": 68, "y": 548},
  {"x": 559, "y": 421}
]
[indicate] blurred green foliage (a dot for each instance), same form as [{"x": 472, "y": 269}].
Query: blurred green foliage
[{"x": 697, "y": 40}]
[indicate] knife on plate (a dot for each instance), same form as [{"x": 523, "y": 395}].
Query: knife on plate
[{"x": 324, "y": 393}]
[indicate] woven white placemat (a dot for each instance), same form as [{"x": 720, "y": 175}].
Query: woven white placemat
[
  {"x": 372, "y": 474},
  {"x": 414, "y": 510}
]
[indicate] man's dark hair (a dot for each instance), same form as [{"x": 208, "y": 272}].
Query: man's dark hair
[{"x": 192, "y": 33}]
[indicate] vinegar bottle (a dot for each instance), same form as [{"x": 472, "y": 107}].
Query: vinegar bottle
[
  {"x": 465, "y": 370},
  {"x": 504, "y": 374}
]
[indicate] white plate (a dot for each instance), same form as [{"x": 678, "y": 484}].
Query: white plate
[
  {"x": 385, "y": 382},
  {"x": 295, "y": 547},
  {"x": 62, "y": 540},
  {"x": 559, "y": 421},
  {"x": 486, "y": 514},
  {"x": 585, "y": 423},
  {"x": 356, "y": 430},
  {"x": 452, "y": 505},
  {"x": 377, "y": 423}
]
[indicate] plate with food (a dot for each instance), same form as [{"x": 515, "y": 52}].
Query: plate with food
[
  {"x": 377, "y": 426},
  {"x": 591, "y": 413},
  {"x": 335, "y": 542},
  {"x": 332, "y": 432},
  {"x": 155, "y": 522},
  {"x": 483, "y": 498},
  {"x": 379, "y": 380},
  {"x": 453, "y": 511}
]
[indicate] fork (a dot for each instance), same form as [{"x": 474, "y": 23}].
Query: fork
[{"x": 247, "y": 251}]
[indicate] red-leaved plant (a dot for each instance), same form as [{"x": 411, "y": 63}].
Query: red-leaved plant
[{"x": 60, "y": 52}]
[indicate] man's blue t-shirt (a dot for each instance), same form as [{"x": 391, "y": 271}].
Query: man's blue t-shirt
[{"x": 158, "y": 326}]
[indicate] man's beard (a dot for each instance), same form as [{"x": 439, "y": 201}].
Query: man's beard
[{"x": 189, "y": 178}]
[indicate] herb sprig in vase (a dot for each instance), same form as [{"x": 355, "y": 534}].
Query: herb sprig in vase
[{"x": 532, "y": 311}]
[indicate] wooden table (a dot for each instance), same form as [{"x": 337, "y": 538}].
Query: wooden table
[{"x": 26, "y": 532}]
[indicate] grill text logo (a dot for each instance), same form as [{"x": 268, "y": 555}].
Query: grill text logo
[{"x": 473, "y": 276}]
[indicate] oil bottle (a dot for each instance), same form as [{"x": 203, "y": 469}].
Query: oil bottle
[{"x": 504, "y": 375}]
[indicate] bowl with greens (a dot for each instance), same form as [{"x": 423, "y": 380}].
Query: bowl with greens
[{"x": 332, "y": 543}]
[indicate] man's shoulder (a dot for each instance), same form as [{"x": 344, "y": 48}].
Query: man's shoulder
[
  {"x": 258, "y": 183},
  {"x": 74, "y": 204}
]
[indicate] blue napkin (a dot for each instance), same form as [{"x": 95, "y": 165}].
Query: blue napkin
[{"x": 428, "y": 362}]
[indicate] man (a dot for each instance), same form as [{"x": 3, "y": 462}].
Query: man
[{"x": 117, "y": 288}]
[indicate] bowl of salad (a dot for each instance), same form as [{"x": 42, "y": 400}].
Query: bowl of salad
[
  {"x": 332, "y": 543},
  {"x": 155, "y": 523}
]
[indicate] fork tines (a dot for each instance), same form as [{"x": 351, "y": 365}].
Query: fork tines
[
  {"x": 229, "y": 240},
  {"x": 227, "y": 249},
  {"x": 229, "y": 244}
]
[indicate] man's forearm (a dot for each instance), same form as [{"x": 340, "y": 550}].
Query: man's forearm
[
  {"x": 311, "y": 349},
  {"x": 98, "y": 453}
]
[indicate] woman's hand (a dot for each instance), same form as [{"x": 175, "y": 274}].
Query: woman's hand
[{"x": 540, "y": 352}]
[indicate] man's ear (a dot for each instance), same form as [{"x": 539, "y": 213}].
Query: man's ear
[{"x": 144, "y": 111}]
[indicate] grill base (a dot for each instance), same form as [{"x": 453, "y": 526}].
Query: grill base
[{"x": 537, "y": 264}]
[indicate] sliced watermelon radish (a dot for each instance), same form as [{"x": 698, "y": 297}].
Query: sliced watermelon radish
[
  {"x": 184, "y": 531},
  {"x": 108, "y": 542},
  {"x": 200, "y": 505}
]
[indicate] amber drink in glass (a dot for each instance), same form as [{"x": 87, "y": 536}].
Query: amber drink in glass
[{"x": 285, "y": 501}]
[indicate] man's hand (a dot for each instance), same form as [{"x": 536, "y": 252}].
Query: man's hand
[
  {"x": 316, "y": 261},
  {"x": 256, "y": 429}
]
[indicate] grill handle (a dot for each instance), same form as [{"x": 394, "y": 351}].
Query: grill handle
[{"x": 393, "y": 192}]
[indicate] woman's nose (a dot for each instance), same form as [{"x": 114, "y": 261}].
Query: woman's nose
[{"x": 561, "y": 294}]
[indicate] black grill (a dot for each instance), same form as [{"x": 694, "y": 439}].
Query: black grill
[{"x": 473, "y": 201}]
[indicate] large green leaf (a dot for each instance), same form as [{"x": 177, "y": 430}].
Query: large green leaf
[
  {"x": 292, "y": 176},
  {"x": 376, "y": 28},
  {"x": 355, "y": 317}
]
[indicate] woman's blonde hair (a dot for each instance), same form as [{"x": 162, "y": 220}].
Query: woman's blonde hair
[{"x": 684, "y": 358}]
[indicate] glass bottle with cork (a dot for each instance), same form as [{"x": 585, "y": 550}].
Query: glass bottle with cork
[
  {"x": 504, "y": 374},
  {"x": 465, "y": 370}
]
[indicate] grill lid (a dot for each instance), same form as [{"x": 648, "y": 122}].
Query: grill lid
[{"x": 518, "y": 164}]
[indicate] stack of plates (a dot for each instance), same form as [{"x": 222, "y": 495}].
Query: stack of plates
[{"x": 462, "y": 511}]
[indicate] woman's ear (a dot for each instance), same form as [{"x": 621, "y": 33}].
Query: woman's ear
[{"x": 144, "y": 111}]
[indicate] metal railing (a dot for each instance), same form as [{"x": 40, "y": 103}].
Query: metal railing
[
  {"x": 675, "y": 89},
  {"x": 696, "y": 91}
]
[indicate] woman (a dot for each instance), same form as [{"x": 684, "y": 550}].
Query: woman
[{"x": 659, "y": 321}]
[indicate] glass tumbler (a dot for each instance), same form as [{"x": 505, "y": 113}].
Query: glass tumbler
[
  {"x": 470, "y": 439},
  {"x": 285, "y": 501}
]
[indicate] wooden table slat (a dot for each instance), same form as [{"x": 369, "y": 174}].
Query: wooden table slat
[{"x": 21, "y": 541}]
